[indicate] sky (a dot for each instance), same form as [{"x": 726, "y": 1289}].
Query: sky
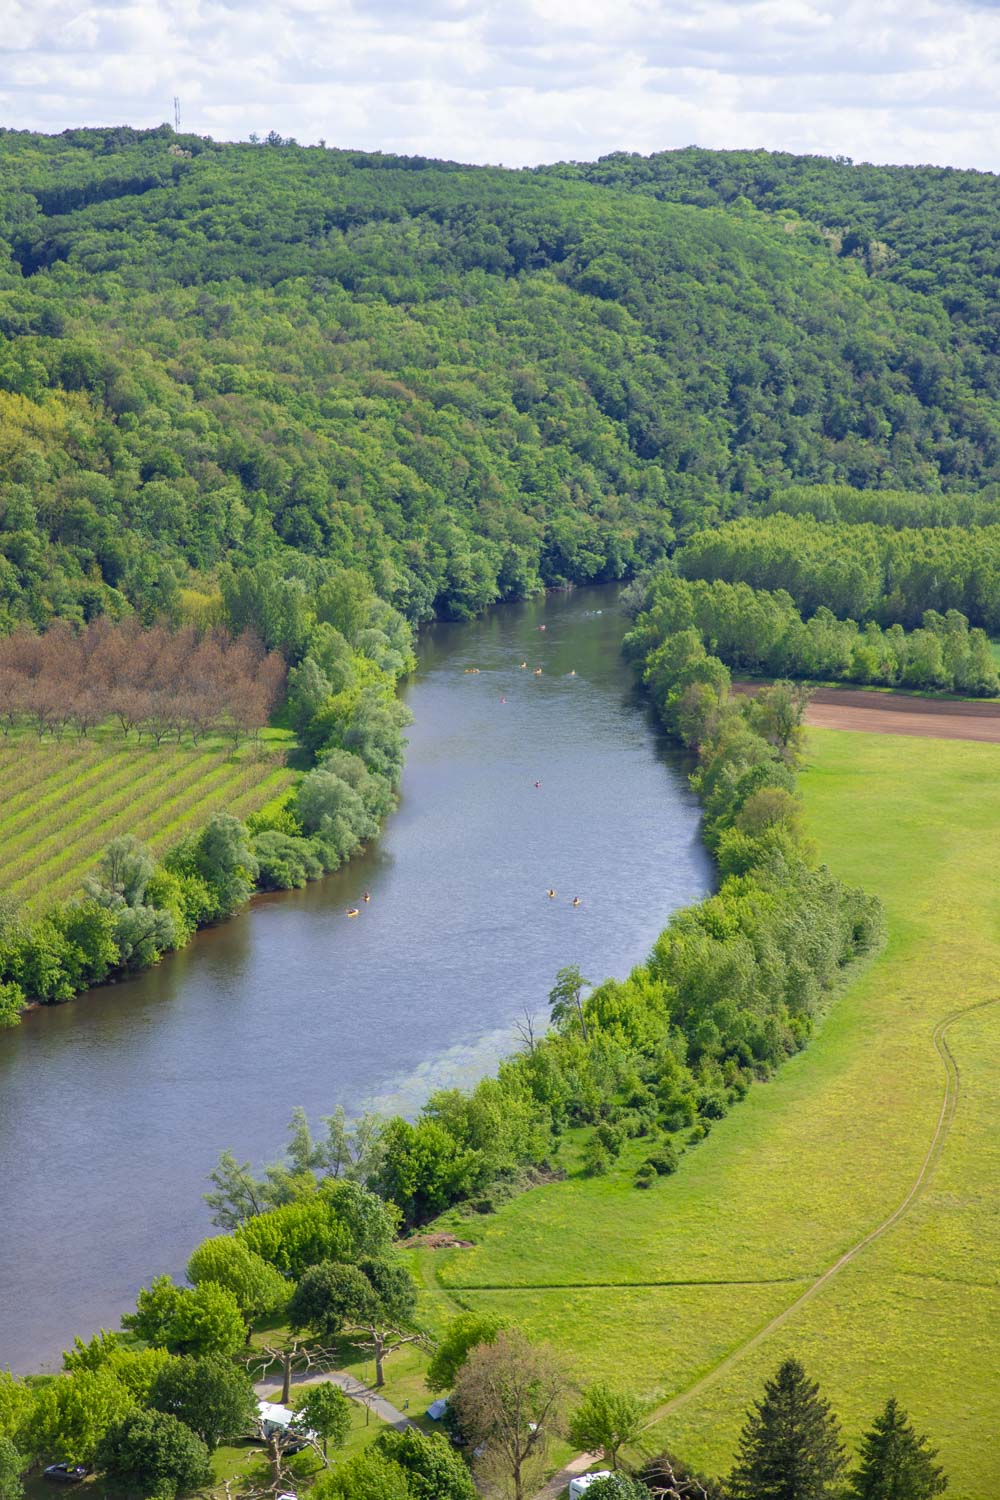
[{"x": 522, "y": 81}]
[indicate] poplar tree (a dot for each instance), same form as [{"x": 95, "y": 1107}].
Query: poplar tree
[
  {"x": 790, "y": 1445},
  {"x": 896, "y": 1462}
]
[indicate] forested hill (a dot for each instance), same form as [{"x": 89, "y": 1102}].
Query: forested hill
[
  {"x": 468, "y": 381},
  {"x": 931, "y": 229}
]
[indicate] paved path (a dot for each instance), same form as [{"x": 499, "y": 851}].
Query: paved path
[
  {"x": 560, "y": 1480},
  {"x": 351, "y": 1387}
]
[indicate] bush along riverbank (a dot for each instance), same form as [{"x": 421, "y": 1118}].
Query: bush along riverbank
[
  {"x": 732, "y": 988},
  {"x": 347, "y": 649}
]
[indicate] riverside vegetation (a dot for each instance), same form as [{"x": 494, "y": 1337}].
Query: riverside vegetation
[
  {"x": 340, "y": 702},
  {"x": 324, "y": 396},
  {"x": 232, "y": 374},
  {"x": 732, "y": 989}
]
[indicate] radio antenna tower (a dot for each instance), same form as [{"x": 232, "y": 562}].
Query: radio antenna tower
[{"x": 177, "y": 114}]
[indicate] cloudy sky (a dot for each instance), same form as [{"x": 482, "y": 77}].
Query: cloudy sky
[{"x": 522, "y": 81}]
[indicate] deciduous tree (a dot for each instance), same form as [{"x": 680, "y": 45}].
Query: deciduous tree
[
  {"x": 565, "y": 998},
  {"x": 209, "y": 1394},
  {"x": 257, "y": 1287},
  {"x": 509, "y": 1398},
  {"x": 204, "y": 1319},
  {"x": 12, "y": 1466},
  {"x": 462, "y": 1335},
  {"x": 605, "y": 1420},
  {"x": 326, "y": 1411},
  {"x": 154, "y": 1453},
  {"x": 373, "y": 1302}
]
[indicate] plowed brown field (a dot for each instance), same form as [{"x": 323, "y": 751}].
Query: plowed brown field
[{"x": 897, "y": 713}]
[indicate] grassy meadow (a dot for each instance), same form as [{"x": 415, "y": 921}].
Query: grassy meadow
[
  {"x": 61, "y": 801},
  {"x": 663, "y": 1291}
]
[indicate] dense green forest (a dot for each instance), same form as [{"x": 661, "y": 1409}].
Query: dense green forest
[
  {"x": 860, "y": 571},
  {"x": 753, "y": 630},
  {"x": 470, "y": 382},
  {"x": 901, "y": 509},
  {"x": 929, "y": 229}
]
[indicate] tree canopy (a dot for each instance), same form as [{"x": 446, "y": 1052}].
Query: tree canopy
[{"x": 224, "y": 365}]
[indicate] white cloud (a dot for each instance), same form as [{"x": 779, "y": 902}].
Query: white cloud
[{"x": 522, "y": 81}]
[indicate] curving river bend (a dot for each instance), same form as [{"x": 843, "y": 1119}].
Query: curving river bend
[{"x": 113, "y": 1108}]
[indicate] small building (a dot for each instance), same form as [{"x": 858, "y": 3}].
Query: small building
[
  {"x": 437, "y": 1409},
  {"x": 581, "y": 1484}
]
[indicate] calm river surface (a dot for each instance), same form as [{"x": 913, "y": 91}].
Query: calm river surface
[{"x": 114, "y": 1108}]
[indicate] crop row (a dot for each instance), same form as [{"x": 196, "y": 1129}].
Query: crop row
[
  {"x": 64, "y": 790},
  {"x": 21, "y": 773},
  {"x": 121, "y": 786},
  {"x": 83, "y": 838},
  {"x": 68, "y": 806}
]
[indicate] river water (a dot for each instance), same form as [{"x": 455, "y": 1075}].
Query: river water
[{"x": 114, "y": 1108}]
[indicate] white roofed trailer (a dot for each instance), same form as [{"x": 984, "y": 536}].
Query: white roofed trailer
[
  {"x": 581, "y": 1484},
  {"x": 274, "y": 1420}
]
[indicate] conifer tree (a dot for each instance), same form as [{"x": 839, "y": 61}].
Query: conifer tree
[
  {"x": 896, "y": 1463},
  {"x": 790, "y": 1444}
]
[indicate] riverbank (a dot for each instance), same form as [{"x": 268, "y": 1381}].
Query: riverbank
[
  {"x": 888, "y": 1108},
  {"x": 292, "y": 1002}
]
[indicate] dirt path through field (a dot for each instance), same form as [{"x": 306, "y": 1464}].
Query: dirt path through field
[
  {"x": 949, "y": 1104},
  {"x": 897, "y": 713}
]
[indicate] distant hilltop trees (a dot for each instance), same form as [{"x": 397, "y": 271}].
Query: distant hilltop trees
[{"x": 152, "y": 681}]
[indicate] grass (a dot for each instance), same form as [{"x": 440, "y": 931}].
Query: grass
[
  {"x": 665, "y": 1285},
  {"x": 61, "y": 801},
  {"x": 244, "y": 1464}
]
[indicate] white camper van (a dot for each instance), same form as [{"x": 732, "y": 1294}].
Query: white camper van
[{"x": 274, "y": 1420}]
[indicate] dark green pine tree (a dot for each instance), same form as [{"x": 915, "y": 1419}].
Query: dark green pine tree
[
  {"x": 790, "y": 1444},
  {"x": 896, "y": 1464}
]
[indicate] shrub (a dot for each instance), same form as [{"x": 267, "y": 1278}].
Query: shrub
[{"x": 664, "y": 1160}]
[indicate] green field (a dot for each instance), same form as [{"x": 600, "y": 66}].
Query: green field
[
  {"x": 665, "y": 1290},
  {"x": 61, "y": 801}
]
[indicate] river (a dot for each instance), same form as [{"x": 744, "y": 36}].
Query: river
[{"x": 114, "y": 1107}]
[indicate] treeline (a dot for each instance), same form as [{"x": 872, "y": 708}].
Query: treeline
[
  {"x": 759, "y": 632},
  {"x": 900, "y": 509},
  {"x": 733, "y": 987},
  {"x": 342, "y": 697},
  {"x": 859, "y": 572},
  {"x": 155, "y": 681},
  {"x": 470, "y": 383}
]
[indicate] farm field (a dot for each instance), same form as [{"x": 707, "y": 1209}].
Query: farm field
[
  {"x": 61, "y": 801},
  {"x": 673, "y": 1285}
]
